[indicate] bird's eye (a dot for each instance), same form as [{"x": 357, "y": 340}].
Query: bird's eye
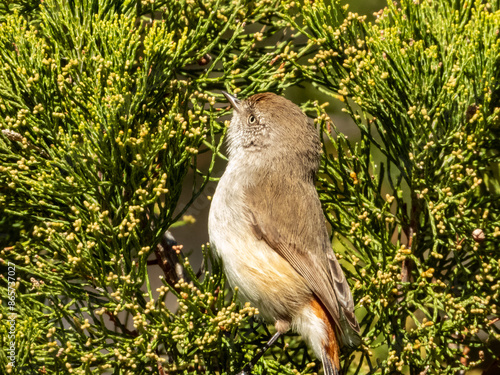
[{"x": 252, "y": 120}]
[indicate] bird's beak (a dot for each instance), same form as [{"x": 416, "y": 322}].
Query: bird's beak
[{"x": 235, "y": 103}]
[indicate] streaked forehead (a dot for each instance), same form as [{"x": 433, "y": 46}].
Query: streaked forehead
[
  {"x": 262, "y": 96},
  {"x": 268, "y": 98}
]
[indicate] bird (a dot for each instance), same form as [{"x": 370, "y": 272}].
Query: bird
[{"x": 267, "y": 226}]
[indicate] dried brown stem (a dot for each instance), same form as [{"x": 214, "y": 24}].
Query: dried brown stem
[
  {"x": 16, "y": 137},
  {"x": 166, "y": 255}
]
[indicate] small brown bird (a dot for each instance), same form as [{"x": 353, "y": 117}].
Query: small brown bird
[{"x": 267, "y": 226}]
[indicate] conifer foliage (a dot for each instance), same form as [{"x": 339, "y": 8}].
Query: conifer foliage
[{"x": 106, "y": 105}]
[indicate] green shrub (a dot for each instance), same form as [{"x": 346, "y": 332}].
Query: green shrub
[
  {"x": 105, "y": 106},
  {"x": 416, "y": 201}
]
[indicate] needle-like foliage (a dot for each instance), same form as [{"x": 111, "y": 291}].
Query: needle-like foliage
[
  {"x": 104, "y": 108},
  {"x": 107, "y": 105},
  {"x": 416, "y": 201}
]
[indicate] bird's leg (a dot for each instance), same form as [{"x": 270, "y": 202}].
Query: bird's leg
[
  {"x": 247, "y": 370},
  {"x": 281, "y": 327}
]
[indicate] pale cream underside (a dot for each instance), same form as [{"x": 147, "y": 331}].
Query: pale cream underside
[
  {"x": 268, "y": 282},
  {"x": 263, "y": 277}
]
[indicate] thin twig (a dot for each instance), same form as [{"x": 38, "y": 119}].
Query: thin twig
[
  {"x": 166, "y": 255},
  {"x": 16, "y": 137}
]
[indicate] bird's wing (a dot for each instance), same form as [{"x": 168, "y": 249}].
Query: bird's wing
[{"x": 288, "y": 217}]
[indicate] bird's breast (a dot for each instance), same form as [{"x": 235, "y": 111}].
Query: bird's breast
[{"x": 262, "y": 276}]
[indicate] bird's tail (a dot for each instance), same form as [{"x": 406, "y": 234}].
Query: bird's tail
[
  {"x": 329, "y": 365},
  {"x": 330, "y": 351}
]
